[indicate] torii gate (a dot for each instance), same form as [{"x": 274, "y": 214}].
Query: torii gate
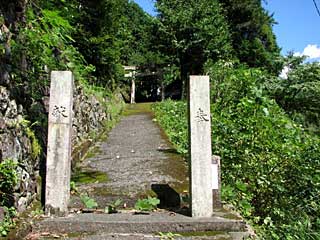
[
  {"x": 132, "y": 75},
  {"x": 131, "y": 72}
]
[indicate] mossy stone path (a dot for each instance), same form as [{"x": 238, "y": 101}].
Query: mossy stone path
[{"x": 135, "y": 160}]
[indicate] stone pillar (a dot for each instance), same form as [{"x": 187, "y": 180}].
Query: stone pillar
[
  {"x": 133, "y": 88},
  {"x": 59, "y": 143},
  {"x": 200, "y": 147}
]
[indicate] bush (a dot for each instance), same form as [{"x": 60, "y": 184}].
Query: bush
[
  {"x": 172, "y": 116},
  {"x": 8, "y": 179},
  {"x": 8, "y": 221}
]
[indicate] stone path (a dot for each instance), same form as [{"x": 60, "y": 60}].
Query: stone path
[{"x": 136, "y": 158}]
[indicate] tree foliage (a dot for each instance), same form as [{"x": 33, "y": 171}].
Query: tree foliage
[
  {"x": 45, "y": 44},
  {"x": 299, "y": 92},
  {"x": 98, "y": 23},
  {"x": 192, "y": 32},
  {"x": 185, "y": 35},
  {"x": 136, "y": 34},
  {"x": 253, "y": 40}
]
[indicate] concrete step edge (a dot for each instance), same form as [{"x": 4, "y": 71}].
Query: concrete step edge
[{"x": 138, "y": 227}]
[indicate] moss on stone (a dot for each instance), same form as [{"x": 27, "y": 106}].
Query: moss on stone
[
  {"x": 89, "y": 176},
  {"x": 35, "y": 145},
  {"x": 132, "y": 109},
  {"x": 101, "y": 191},
  {"x": 204, "y": 234},
  {"x": 231, "y": 216}
]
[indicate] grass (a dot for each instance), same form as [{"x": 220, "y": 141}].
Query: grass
[{"x": 138, "y": 108}]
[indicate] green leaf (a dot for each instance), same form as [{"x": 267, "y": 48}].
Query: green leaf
[
  {"x": 117, "y": 203},
  {"x": 241, "y": 186},
  {"x": 88, "y": 202},
  {"x": 148, "y": 204},
  {"x": 91, "y": 203}
]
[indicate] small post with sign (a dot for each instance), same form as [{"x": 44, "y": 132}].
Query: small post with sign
[
  {"x": 57, "y": 193},
  {"x": 200, "y": 147},
  {"x": 216, "y": 180}
]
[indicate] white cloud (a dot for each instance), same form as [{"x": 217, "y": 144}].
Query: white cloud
[
  {"x": 298, "y": 54},
  {"x": 312, "y": 51},
  {"x": 284, "y": 72}
]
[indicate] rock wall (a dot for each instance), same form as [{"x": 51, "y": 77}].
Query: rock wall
[
  {"x": 16, "y": 137},
  {"x": 90, "y": 115},
  {"x": 15, "y": 144}
]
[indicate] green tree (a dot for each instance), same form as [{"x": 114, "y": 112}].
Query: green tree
[
  {"x": 98, "y": 22},
  {"x": 12, "y": 15},
  {"x": 112, "y": 33},
  {"x": 253, "y": 40},
  {"x": 192, "y": 32},
  {"x": 135, "y": 34},
  {"x": 299, "y": 92}
]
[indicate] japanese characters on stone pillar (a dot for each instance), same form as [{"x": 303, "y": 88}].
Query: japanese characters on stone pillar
[
  {"x": 200, "y": 147},
  {"x": 59, "y": 143}
]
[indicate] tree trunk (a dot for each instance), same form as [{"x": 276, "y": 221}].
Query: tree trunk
[
  {"x": 184, "y": 81},
  {"x": 163, "y": 94}
]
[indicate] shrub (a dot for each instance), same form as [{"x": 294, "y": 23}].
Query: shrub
[{"x": 8, "y": 179}]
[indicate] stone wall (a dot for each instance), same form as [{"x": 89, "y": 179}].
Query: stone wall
[
  {"x": 16, "y": 142},
  {"x": 90, "y": 114}
]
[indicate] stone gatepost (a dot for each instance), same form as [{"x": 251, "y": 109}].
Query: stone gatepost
[
  {"x": 58, "y": 166},
  {"x": 200, "y": 147}
]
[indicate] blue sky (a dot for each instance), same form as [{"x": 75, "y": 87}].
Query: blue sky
[
  {"x": 147, "y": 5},
  {"x": 298, "y": 27}
]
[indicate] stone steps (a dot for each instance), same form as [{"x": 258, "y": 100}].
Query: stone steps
[
  {"x": 128, "y": 225},
  {"x": 124, "y": 236}
]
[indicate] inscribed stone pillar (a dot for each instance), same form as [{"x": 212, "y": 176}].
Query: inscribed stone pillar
[
  {"x": 200, "y": 147},
  {"x": 59, "y": 143}
]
